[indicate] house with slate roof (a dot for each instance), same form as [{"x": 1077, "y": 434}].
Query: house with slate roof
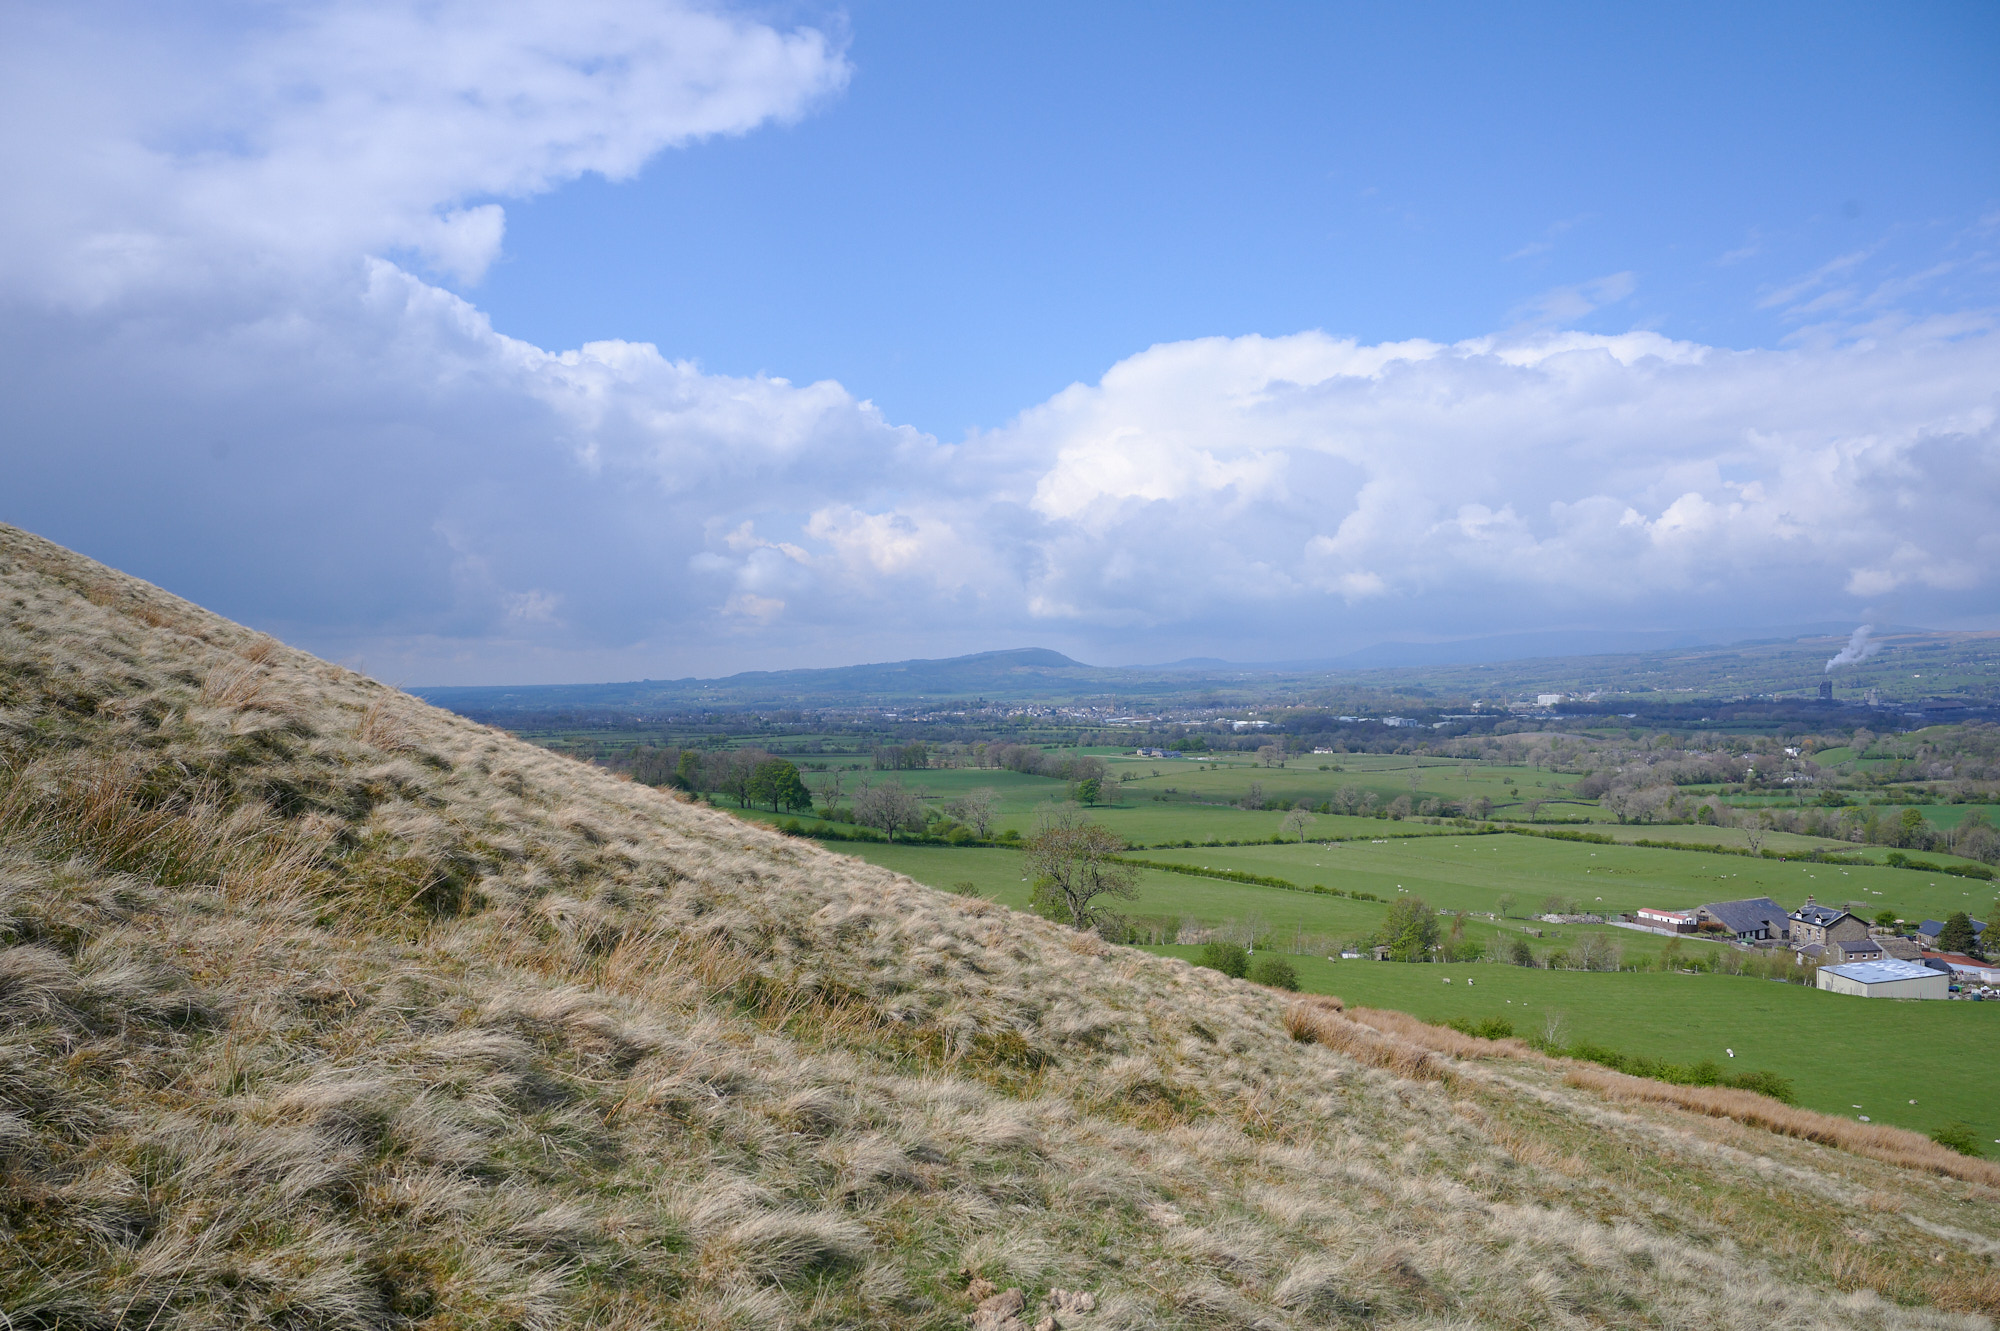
[
  {"x": 1842, "y": 952},
  {"x": 1826, "y": 925},
  {"x": 1928, "y": 931},
  {"x": 1753, "y": 920}
]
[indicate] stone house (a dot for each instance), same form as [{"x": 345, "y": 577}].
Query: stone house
[{"x": 1826, "y": 925}]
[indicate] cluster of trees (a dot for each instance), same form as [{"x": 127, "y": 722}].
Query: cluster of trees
[
  {"x": 913, "y": 757},
  {"x": 894, "y": 808},
  {"x": 749, "y": 776}
]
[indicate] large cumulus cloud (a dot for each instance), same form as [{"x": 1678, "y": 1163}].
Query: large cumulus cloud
[{"x": 231, "y": 364}]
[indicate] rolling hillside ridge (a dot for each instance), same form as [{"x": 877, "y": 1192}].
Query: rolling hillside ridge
[{"x": 321, "y": 1007}]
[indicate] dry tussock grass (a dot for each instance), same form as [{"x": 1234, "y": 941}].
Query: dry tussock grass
[
  {"x": 1442, "y": 1039},
  {"x": 320, "y": 1008},
  {"x": 1896, "y": 1146}
]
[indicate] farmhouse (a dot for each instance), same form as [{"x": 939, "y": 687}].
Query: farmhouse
[
  {"x": 1885, "y": 979},
  {"x": 1752, "y": 920},
  {"x": 1899, "y": 947},
  {"x": 1834, "y": 954},
  {"x": 1680, "y": 921},
  {"x": 1928, "y": 931},
  {"x": 1826, "y": 924}
]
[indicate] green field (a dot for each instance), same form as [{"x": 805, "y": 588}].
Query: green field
[{"x": 1839, "y": 1051}]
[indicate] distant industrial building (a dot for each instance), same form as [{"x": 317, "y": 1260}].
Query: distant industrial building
[{"x": 1885, "y": 979}]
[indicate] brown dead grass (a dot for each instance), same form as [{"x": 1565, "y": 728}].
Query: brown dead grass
[
  {"x": 1326, "y": 1024},
  {"x": 1896, "y": 1146},
  {"x": 1442, "y": 1039}
]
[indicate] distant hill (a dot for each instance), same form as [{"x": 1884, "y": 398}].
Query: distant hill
[
  {"x": 1027, "y": 672},
  {"x": 1958, "y": 667},
  {"x": 323, "y": 1008}
]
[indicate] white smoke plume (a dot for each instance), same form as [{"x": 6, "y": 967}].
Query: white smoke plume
[{"x": 1859, "y": 648}]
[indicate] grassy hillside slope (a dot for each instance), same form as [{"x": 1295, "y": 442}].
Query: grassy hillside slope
[{"x": 321, "y": 1008}]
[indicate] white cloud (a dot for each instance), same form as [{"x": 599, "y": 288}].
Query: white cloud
[
  {"x": 1599, "y": 476},
  {"x": 183, "y": 145},
  {"x": 211, "y": 381}
]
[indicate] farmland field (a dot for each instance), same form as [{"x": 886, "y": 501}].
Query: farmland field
[{"x": 1840, "y": 1052}]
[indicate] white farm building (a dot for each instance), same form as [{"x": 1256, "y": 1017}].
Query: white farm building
[{"x": 1885, "y": 979}]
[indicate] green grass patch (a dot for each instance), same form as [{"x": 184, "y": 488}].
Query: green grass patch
[{"x": 1836, "y": 1051}]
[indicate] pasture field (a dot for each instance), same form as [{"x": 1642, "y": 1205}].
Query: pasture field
[
  {"x": 1838, "y": 1051},
  {"x": 1279, "y": 913},
  {"x": 1465, "y": 873},
  {"x": 1473, "y": 872},
  {"x": 1188, "y": 815}
]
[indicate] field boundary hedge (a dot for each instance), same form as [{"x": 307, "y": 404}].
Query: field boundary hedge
[
  {"x": 1978, "y": 871},
  {"x": 1239, "y": 876}
]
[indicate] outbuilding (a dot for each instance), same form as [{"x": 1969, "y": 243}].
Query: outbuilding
[
  {"x": 1885, "y": 979},
  {"x": 1679, "y": 921}
]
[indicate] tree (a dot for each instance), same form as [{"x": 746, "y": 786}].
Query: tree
[
  {"x": 1411, "y": 929},
  {"x": 976, "y": 809},
  {"x": 1254, "y": 799},
  {"x": 731, "y": 772},
  {"x": 1885, "y": 919},
  {"x": 1297, "y": 821},
  {"x": 687, "y": 773},
  {"x": 776, "y": 782},
  {"x": 1271, "y": 755},
  {"x": 1957, "y": 935},
  {"x": 1073, "y": 863},
  {"x": 1089, "y": 790},
  {"x": 829, "y": 793},
  {"x": 1506, "y": 904},
  {"x": 1274, "y": 971},
  {"x": 891, "y": 806},
  {"x": 1229, "y": 958},
  {"x": 1520, "y": 953}
]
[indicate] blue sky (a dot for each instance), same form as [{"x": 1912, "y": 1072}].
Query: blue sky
[
  {"x": 506, "y": 342},
  {"x": 1010, "y": 198}
]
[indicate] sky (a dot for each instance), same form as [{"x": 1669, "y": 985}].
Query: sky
[{"x": 513, "y": 343}]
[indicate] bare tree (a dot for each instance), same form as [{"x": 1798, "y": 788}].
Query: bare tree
[
  {"x": 1073, "y": 863},
  {"x": 1271, "y": 755},
  {"x": 891, "y": 806},
  {"x": 976, "y": 809},
  {"x": 1297, "y": 821}
]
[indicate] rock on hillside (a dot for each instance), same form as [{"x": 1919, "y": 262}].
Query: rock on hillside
[{"x": 321, "y": 1008}]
